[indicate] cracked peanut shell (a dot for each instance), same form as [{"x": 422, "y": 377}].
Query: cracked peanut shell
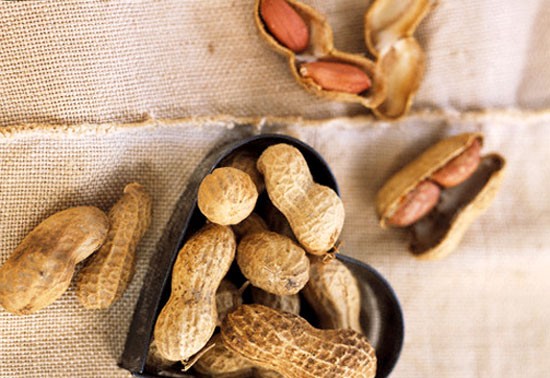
[
  {"x": 439, "y": 233},
  {"x": 321, "y": 49}
]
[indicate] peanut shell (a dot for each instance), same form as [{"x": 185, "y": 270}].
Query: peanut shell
[
  {"x": 41, "y": 268},
  {"x": 402, "y": 65},
  {"x": 289, "y": 345},
  {"x": 109, "y": 271},
  {"x": 246, "y": 162},
  {"x": 220, "y": 361},
  {"x": 315, "y": 212},
  {"x": 253, "y": 223},
  {"x": 288, "y": 303},
  {"x": 333, "y": 292},
  {"x": 273, "y": 263},
  {"x": 227, "y": 196},
  {"x": 388, "y": 21},
  {"x": 188, "y": 319}
]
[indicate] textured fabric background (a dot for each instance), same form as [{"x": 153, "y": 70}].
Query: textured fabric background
[
  {"x": 74, "y": 74},
  {"x": 97, "y": 61}
]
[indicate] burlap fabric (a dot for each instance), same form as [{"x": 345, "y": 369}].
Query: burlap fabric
[{"x": 74, "y": 75}]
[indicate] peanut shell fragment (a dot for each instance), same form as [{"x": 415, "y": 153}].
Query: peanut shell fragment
[
  {"x": 41, "y": 268},
  {"x": 109, "y": 271}
]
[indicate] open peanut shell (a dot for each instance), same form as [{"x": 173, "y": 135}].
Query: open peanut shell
[
  {"x": 388, "y": 21},
  {"x": 321, "y": 48},
  {"x": 439, "y": 233},
  {"x": 403, "y": 67}
]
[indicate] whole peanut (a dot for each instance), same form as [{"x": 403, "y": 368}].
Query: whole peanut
[
  {"x": 188, "y": 319},
  {"x": 227, "y": 196},
  {"x": 334, "y": 294},
  {"x": 315, "y": 212},
  {"x": 285, "y": 24},
  {"x": 109, "y": 271},
  {"x": 273, "y": 263},
  {"x": 288, "y": 344},
  {"x": 339, "y": 77},
  {"x": 220, "y": 361},
  {"x": 41, "y": 268},
  {"x": 253, "y": 223},
  {"x": 460, "y": 168},
  {"x": 416, "y": 204},
  {"x": 246, "y": 161},
  {"x": 288, "y": 303},
  {"x": 228, "y": 298}
]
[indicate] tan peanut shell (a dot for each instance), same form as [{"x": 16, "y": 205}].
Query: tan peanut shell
[
  {"x": 246, "y": 161},
  {"x": 333, "y": 293},
  {"x": 253, "y": 223},
  {"x": 273, "y": 263},
  {"x": 288, "y": 344},
  {"x": 402, "y": 65},
  {"x": 228, "y": 298},
  {"x": 388, "y": 21},
  {"x": 109, "y": 271},
  {"x": 288, "y": 303},
  {"x": 155, "y": 361},
  {"x": 446, "y": 233},
  {"x": 445, "y": 227},
  {"x": 266, "y": 373},
  {"x": 315, "y": 212},
  {"x": 41, "y": 268},
  {"x": 221, "y": 362},
  {"x": 321, "y": 48},
  {"x": 227, "y": 196},
  {"x": 188, "y": 319}
]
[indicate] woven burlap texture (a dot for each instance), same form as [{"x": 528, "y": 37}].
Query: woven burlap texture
[
  {"x": 482, "y": 312},
  {"x": 101, "y": 61}
]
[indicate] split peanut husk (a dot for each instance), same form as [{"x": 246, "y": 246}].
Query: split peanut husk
[
  {"x": 321, "y": 49},
  {"x": 439, "y": 233},
  {"x": 389, "y": 29}
]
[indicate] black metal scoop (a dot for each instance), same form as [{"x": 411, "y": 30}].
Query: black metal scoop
[{"x": 381, "y": 316}]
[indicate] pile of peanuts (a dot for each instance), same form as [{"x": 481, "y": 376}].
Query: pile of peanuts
[{"x": 205, "y": 324}]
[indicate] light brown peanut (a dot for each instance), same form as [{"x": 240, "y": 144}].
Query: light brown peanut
[
  {"x": 221, "y": 362},
  {"x": 246, "y": 161},
  {"x": 315, "y": 212},
  {"x": 333, "y": 292},
  {"x": 188, "y": 319},
  {"x": 109, "y": 271},
  {"x": 288, "y": 303},
  {"x": 41, "y": 268},
  {"x": 285, "y": 24},
  {"x": 273, "y": 263},
  {"x": 228, "y": 298},
  {"x": 416, "y": 204},
  {"x": 227, "y": 196},
  {"x": 288, "y": 344},
  {"x": 334, "y": 76},
  {"x": 253, "y": 223},
  {"x": 460, "y": 168}
]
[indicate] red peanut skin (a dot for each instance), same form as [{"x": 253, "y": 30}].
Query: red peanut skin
[
  {"x": 416, "y": 204},
  {"x": 285, "y": 24},
  {"x": 339, "y": 77},
  {"x": 460, "y": 168}
]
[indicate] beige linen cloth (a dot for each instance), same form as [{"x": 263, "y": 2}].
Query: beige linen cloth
[{"x": 95, "y": 94}]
